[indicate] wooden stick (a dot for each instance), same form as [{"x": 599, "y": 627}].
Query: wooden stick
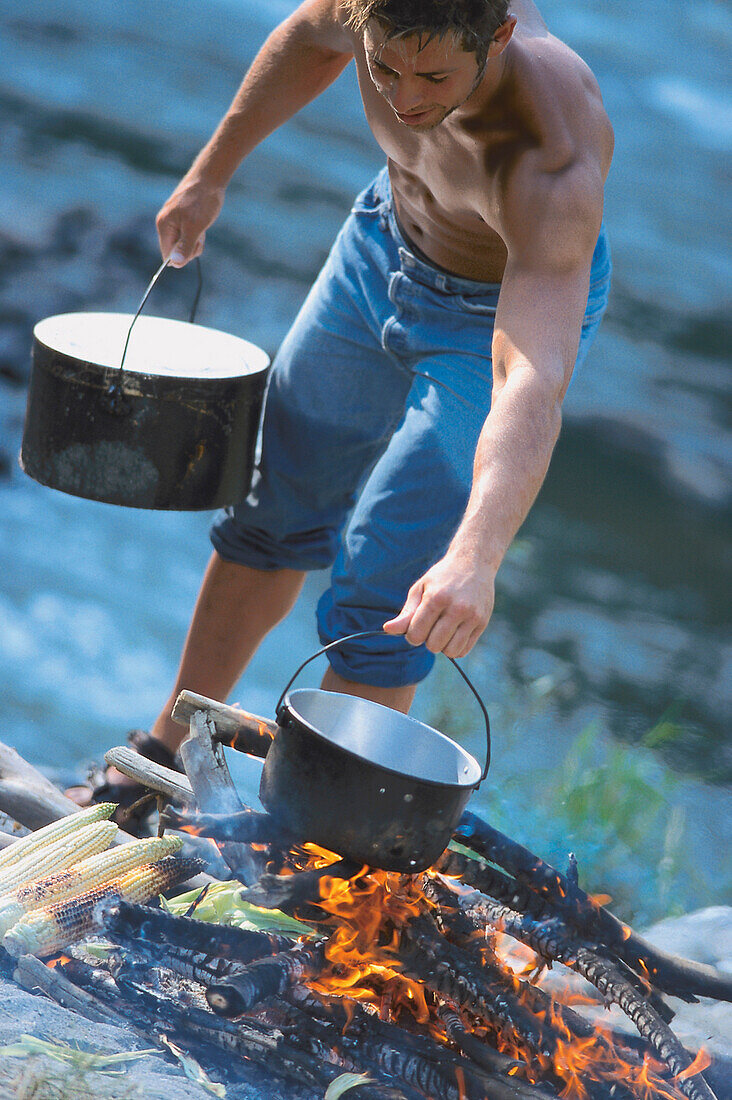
[
  {"x": 290, "y": 892},
  {"x": 215, "y": 792},
  {"x": 232, "y": 726},
  {"x": 150, "y": 774},
  {"x": 26, "y": 795},
  {"x": 35, "y": 976}
]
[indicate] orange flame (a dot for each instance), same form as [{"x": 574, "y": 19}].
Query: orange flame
[
  {"x": 58, "y": 961},
  {"x": 701, "y": 1062},
  {"x": 366, "y": 915}
]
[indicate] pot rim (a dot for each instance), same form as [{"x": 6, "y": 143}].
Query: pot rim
[
  {"x": 286, "y": 706},
  {"x": 46, "y": 332}
]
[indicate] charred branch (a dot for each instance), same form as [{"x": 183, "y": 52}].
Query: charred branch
[
  {"x": 680, "y": 977},
  {"x": 471, "y": 1046},
  {"x": 461, "y": 982},
  {"x": 138, "y": 924},
  {"x": 418, "y": 1062},
  {"x": 246, "y": 826},
  {"x": 290, "y": 892},
  {"x": 238, "y": 993},
  {"x": 543, "y": 938},
  {"x": 251, "y": 1040}
]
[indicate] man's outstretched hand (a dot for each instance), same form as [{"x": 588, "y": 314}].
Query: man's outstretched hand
[{"x": 447, "y": 609}]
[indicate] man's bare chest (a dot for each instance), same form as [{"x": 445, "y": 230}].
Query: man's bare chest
[{"x": 446, "y": 192}]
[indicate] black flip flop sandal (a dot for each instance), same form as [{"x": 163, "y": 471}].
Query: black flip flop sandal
[{"x": 128, "y": 814}]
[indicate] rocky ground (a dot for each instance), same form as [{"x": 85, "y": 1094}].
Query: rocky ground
[{"x": 705, "y": 935}]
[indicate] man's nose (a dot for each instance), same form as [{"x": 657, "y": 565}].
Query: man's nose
[{"x": 405, "y": 95}]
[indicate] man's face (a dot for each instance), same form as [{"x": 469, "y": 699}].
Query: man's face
[{"x": 422, "y": 86}]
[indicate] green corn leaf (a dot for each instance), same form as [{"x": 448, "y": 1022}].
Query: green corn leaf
[
  {"x": 30, "y": 1045},
  {"x": 223, "y": 905},
  {"x": 344, "y": 1083},
  {"x": 193, "y": 1071}
]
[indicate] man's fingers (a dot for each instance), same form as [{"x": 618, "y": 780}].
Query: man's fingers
[
  {"x": 400, "y": 623},
  {"x": 442, "y": 633},
  {"x": 184, "y": 251},
  {"x": 462, "y": 641}
]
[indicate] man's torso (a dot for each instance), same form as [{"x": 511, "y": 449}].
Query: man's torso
[{"x": 450, "y": 184}]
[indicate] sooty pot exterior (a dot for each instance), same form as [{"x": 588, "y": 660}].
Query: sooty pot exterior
[{"x": 355, "y": 807}]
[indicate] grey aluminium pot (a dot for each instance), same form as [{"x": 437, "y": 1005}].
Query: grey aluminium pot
[{"x": 365, "y": 781}]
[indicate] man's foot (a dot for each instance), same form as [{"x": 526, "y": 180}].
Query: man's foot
[{"x": 114, "y": 786}]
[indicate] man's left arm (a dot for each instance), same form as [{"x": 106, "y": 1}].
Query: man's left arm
[{"x": 536, "y": 336}]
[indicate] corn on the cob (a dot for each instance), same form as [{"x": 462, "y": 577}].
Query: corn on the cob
[
  {"x": 47, "y": 930},
  {"x": 49, "y": 834},
  {"x": 83, "y": 876},
  {"x": 54, "y": 857}
]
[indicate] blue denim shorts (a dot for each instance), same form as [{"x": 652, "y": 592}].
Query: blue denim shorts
[{"x": 374, "y": 406}]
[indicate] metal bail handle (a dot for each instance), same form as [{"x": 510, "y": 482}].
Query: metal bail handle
[
  {"x": 370, "y": 634},
  {"x": 114, "y": 394}
]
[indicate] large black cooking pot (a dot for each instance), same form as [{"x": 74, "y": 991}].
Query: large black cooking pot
[
  {"x": 365, "y": 781},
  {"x": 162, "y": 417}
]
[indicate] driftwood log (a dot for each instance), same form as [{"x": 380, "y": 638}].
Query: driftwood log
[
  {"x": 36, "y": 977},
  {"x": 172, "y": 784},
  {"x": 26, "y": 795},
  {"x": 31, "y": 799},
  {"x": 214, "y": 790},
  {"x": 232, "y": 726}
]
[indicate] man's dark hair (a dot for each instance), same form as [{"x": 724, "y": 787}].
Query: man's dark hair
[{"x": 473, "y": 22}]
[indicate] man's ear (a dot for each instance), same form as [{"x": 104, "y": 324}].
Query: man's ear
[{"x": 502, "y": 36}]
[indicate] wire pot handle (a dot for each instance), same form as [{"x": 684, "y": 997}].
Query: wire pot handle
[
  {"x": 370, "y": 634},
  {"x": 114, "y": 391}
]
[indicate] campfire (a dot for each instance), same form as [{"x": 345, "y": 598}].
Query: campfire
[{"x": 419, "y": 986}]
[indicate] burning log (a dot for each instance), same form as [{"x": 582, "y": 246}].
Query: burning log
[
  {"x": 416, "y": 1062},
  {"x": 138, "y": 925},
  {"x": 680, "y": 977},
  {"x": 246, "y": 826},
  {"x": 487, "y": 994},
  {"x": 606, "y": 977},
  {"x": 290, "y": 892},
  {"x": 353, "y": 1021},
  {"x": 250, "y": 1040},
  {"x": 238, "y": 993},
  {"x": 472, "y": 1047}
]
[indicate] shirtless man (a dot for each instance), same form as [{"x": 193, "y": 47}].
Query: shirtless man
[{"x": 424, "y": 376}]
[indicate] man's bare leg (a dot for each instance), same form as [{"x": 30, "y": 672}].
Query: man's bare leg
[
  {"x": 236, "y": 608},
  {"x": 398, "y": 698}
]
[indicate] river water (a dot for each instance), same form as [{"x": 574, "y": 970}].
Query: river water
[{"x": 612, "y": 614}]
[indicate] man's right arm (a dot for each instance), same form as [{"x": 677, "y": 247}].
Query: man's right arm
[{"x": 299, "y": 60}]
